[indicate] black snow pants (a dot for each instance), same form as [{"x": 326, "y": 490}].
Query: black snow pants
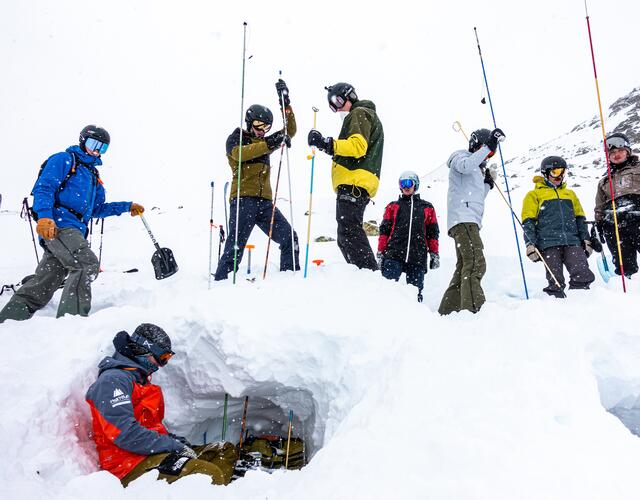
[
  {"x": 257, "y": 211},
  {"x": 352, "y": 240},
  {"x": 629, "y": 246}
]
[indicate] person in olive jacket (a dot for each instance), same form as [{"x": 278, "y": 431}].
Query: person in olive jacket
[
  {"x": 256, "y": 204},
  {"x": 555, "y": 227},
  {"x": 625, "y": 177},
  {"x": 355, "y": 172}
]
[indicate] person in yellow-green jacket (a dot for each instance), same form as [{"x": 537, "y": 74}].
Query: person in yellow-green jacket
[
  {"x": 253, "y": 147},
  {"x": 555, "y": 224},
  {"x": 355, "y": 172}
]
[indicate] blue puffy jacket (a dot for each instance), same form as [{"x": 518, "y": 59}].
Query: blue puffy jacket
[{"x": 83, "y": 193}]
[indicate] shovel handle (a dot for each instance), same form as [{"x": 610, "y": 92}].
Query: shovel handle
[{"x": 144, "y": 221}]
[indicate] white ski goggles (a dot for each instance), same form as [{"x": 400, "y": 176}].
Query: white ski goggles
[
  {"x": 336, "y": 102},
  {"x": 617, "y": 143}
]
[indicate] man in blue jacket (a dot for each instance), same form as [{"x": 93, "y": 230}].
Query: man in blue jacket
[
  {"x": 66, "y": 196},
  {"x": 469, "y": 182}
]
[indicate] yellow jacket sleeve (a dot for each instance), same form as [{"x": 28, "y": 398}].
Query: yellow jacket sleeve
[{"x": 354, "y": 146}]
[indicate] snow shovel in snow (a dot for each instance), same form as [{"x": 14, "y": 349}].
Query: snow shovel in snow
[
  {"x": 604, "y": 267},
  {"x": 164, "y": 264}
]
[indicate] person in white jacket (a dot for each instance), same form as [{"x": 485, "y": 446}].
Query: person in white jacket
[{"x": 469, "y": 182}]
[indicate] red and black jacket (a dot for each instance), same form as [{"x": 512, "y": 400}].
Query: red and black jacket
[{"x": 395, "y": 242}]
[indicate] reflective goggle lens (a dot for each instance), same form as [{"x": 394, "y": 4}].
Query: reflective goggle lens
[
  {"x": 406, "y": 183},
  {"x": 165, "y": 357},
  {"x": 336, "y": 102},
  {"x": 258, "y": 125},
  {"x": 95, "y": 145},
  {"x": 617, "y": 143},
  {"x": 556, "y": 172}
]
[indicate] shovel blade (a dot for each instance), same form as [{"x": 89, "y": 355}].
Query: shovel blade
[
  {"x": 604, "y": 267},
  {"x": 164, "y": 263}
]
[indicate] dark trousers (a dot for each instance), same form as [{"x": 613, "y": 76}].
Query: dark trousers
[
  {"x": 629, "y": 246},
  {"x": 352, "y": 240},
  {"x": 66, "y": 256},
  {"x": 575, "y": 260},
  {"x": 257, "y": 212},
  {"x": 392, "y": 269},
  {"x": 465, "y": 291}
]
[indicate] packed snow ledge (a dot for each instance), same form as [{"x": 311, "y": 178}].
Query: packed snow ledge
[{"x": 392, "y": 399}]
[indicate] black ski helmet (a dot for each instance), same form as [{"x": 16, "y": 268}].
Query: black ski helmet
[
  {"x": 618, "y": 140},
  {"x": 478, "y": 138},
  {"x": 94, "y": 132},
  {"x": 339, "y": 94},
  {"x": 259, "y": 113},
  {"x": 550, "y": 163},
  {"x": 153, "y": 340}
]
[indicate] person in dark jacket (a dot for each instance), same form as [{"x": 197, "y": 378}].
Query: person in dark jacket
[
  {"x": 409, "y": 235},
  {"x": 127, "y": 412},
  {"x": 256, "y": 204},
  {"x": 355, "y": 172},
  {"x": 625, "y": 177},
  {"x": 67, "y": 195},
  {"x": 555, "y": 227}
]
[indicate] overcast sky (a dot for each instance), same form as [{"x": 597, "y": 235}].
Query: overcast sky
[{"x": 164, "y": 77}]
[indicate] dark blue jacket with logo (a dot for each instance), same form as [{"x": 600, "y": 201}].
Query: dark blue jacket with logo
[{"x": 82, "y": 197}]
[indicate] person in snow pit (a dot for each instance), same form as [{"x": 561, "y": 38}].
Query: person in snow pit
[
  {"x": 469, "y": 183},
  {"x": 127, "y": 412},
  {"x": 625, "y": 176},
  {"x": 554, "y": 224},
  {"x": 67, "y": 195},
  {"x": 355, "y": 171},
  {"x": 253, "y": 148},
  {"x": 408, "y": 235}
]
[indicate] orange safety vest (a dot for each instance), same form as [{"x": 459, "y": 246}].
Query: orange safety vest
[{"x": 148, "y": 410}]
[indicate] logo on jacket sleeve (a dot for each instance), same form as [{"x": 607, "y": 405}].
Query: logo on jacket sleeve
[{"x": 119, "y": 398}]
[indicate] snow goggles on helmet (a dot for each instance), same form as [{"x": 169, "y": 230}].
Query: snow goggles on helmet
[
  {"x": 407, "y": 183},
  {"x": 161, "y": 354},
  {"x": 258, "y": 125},
  {"x": 617, "y": 143},
  {"x": 556, "y": 172},
  {"x": 95, "y": 145},
  {"x": 336, "y": 102}
]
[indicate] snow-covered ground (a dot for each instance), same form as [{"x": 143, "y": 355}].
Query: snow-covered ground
[{"x": 392, "y": 399}]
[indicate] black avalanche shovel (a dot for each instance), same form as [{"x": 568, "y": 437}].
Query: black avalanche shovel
[{"x": 164, "y": 264}]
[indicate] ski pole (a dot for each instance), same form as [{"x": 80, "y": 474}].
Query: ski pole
[
  {"x": 311, "y": 157},
  {"x": 286, "y": 457},
  {"x": 273, "y": 210},
  {"x": 286, "y": 133},
  {"x": 224, "y": 417},
  {"x": 235, "y": 241},
  {"x": 100, "y": 250},
  {"x": 211, "y": 236},
  {"x": 244, "y": 421},
  {"x": 504, "y": 170},
  {"x": 26, "y": 212},
  {"x": 606, "y": 152},
  {"x": 226, "y": 215},
  {"x": 513, "y": 215},
  {"x": 458, "y": 128}
]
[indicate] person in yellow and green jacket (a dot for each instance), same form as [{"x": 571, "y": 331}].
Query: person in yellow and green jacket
[
  {"x": 555, "y": 224},
  {"x": 256, "y": 204},
  {"x": 355, "y": 172}
]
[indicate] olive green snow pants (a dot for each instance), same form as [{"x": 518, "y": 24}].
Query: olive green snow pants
[
  {"x": 214, "y": 460},
  {"x": 464, "y": 291},
  {"x": 67, "y": 255}
]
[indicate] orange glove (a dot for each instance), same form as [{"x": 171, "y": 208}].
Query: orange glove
[
  {"x": 46, "y": 228},
  {"x": 136, "y": 209}
]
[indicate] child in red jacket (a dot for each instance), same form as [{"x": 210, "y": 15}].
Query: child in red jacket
[{"x": 408, "y": 235}]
